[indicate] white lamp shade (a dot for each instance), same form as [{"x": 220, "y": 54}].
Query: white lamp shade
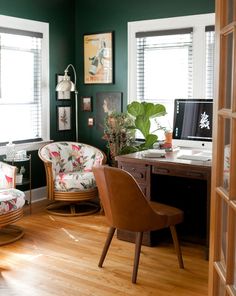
[{"x": 65, "y": 84}]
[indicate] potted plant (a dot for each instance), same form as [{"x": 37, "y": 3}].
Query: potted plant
[
  {"x": 118, "y": 134},
  {"x": 142, "y": 113}
]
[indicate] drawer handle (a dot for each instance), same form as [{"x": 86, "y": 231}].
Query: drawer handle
[
  {"x": 194, "y": 174},
  {"x": 162, "y": 171}
]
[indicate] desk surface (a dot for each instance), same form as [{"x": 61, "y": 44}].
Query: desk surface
[{"x": 171, "y": 158}]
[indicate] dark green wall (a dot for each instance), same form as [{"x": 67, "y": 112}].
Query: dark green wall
[{"x": 113, "y": 15}]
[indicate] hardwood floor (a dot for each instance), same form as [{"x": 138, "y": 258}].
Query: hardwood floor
[{"x": 59, "y": 256}]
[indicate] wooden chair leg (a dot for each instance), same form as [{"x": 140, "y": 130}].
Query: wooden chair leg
[
  {"x": 177, "y": 245},
  {"x": 107, "y": 245},
  {"x": 138, "y": 243}
]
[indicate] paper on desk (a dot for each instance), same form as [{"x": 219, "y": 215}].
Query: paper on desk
[{"x": 154, "y": 153}]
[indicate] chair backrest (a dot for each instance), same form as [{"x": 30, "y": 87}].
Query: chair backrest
[
  {"x": 71, "y": 156},
  {"x": 124, "y": 204}
]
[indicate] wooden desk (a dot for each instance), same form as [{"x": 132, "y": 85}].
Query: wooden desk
[{"x": 145, "y": 170}]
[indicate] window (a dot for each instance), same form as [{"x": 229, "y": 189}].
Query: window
[
  {"x": 210, "y": 61},
  {"x": 24, "y": 90},
  {"x": 171, "y": 58}
]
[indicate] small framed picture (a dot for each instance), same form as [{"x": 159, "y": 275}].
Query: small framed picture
[
  {"x": 106, "y": 103},
  {"x": 87, "y": 104},
  {"x": 64, "y": 118},
  {"x": 90, "y": 121},
  {"x": 62, "y": 95}
]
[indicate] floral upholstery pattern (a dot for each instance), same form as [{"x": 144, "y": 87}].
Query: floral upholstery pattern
[
  {"x": 7, "y": 175},
  {"x": 74, "y": 181},
  {"x": 72, "y": 165},
  {"x": 10, "y": 200}
]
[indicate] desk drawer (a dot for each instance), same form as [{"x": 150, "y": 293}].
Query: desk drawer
[
  {"x": 139, "y": 172},
  {"x": 183, "y": 172}
]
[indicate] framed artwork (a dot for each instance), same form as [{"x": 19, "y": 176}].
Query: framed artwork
[
  {"x": 64, "y": 118},
  {"x": 90, "y": 121},
  {"x": 61, "y": 95},
  {"x": 87, "y": 104},
  {"x": 98, "y": 58},
  {"x": 106, "y": 103}
]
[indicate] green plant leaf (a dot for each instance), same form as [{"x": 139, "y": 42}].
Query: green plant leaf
[
  {"x": 149, "y": 109},
  {"x": 142, "y": 147},
  {"x": 153, "y": 110},
  {"x": 159, "y": 110},
  {"x": 135, "y": 109},
  {"x": 143, "y": 124},
  {"x": 150, "y": 140},
  {"x": 128, "y": 149}
]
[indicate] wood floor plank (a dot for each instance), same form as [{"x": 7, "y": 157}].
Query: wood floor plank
[{"x": 59, "y": 256}]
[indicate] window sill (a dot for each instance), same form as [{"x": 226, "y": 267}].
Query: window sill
[{"x": 26, "y": 146}]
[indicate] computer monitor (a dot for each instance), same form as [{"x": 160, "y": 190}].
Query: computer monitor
[{"x": 192, "y": 124}]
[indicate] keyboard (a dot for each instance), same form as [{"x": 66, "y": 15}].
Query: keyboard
[{"x": 195, "y": 157}]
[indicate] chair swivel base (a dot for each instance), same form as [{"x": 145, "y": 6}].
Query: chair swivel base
[
  {"x": 72, "y": 208},
  {"x": 10, "y": 234}
]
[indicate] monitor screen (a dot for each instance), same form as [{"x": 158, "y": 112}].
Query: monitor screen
[{"x": 193, "y": 122}]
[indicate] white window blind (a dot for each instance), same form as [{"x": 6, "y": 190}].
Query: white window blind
[
  {"x": 20, "y": 85},
  {"x": 164, "y": 58},
  {"x": 210, "y": 61},
  {"x": 164, "y": 67}
]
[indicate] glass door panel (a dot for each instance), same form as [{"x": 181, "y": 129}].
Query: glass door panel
[
  {"x": 233, "y": 160},
  {"x": 220, "y": 288},
  {"x": 230, "y": 11},
  {"x": 224, "y": 234},
  {"x": 229, "y": 52},
  {"x": 226, "y": 159},
  {"x": 228, "y": 15},
  {"x": 226, "y": 70}
]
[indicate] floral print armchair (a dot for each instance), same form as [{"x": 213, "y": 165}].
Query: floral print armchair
[
  {"x": 69, "y": 173},
  {"x": 11, "y": 205}
]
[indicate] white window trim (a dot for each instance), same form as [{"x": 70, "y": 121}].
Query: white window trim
[
  {"x": 42, "y": 27},
  {"x": 198, "y": 22}
]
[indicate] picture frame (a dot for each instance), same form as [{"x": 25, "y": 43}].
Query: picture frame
[
  {"x": 62, "y": 95},
  {"x": 90, "y": 121},
  {"x": 86, "y": 104},
  {"x": 98, "y": 58},
  {"x": 64, "y": 118},
  {"x": 106, "y": 103}
]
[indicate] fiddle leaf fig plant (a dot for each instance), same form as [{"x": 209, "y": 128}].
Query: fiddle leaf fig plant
[{"x": 143, "y": 113}]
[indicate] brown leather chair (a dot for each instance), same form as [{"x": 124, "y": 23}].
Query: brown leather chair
[{"x": 127, "y": 208}]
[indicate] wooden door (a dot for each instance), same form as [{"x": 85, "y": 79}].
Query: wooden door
[{"x": 222, "y": 268}]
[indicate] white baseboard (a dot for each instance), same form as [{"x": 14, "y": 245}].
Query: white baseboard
[{"x": 37, "y": 194}]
